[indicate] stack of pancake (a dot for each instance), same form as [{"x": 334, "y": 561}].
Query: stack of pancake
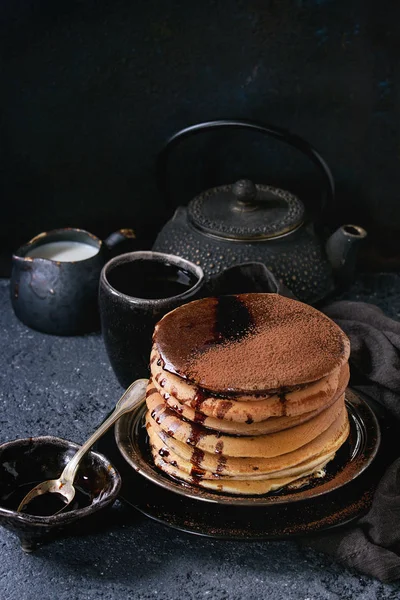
[{"x": 246, "y": 394}]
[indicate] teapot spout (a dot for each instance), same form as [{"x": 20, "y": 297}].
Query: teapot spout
[{"x": 342, "y": 249}]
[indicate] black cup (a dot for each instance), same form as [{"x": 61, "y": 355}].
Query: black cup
[{"x": 136, "y": 290}]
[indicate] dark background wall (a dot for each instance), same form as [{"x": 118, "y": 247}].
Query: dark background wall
[{"x": 91, "y": 89}]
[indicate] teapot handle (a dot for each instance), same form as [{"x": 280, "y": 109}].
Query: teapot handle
[{"x": 280, "y": 134}]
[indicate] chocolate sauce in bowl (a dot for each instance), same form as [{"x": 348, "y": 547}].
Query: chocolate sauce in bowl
[{"x": 46, "y": 504}]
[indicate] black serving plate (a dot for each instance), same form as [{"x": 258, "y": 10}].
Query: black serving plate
[
  {"x": 355, "y": 455},
  {"x": 271, "y": 520}
]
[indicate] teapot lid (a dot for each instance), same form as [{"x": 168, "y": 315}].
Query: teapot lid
[{"x": 246, "y": 211}]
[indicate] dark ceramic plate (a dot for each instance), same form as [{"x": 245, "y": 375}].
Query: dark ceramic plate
[
  {"x": 353, "y": 458},
  {"x": 273, "y": 519}
]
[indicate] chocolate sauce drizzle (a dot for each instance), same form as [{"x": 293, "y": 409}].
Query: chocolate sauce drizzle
[
  {"x": 223, "y": 408},
  {"x": 196, "y": 435},
  {"x": 172, "y": 428},
  {"x": 196, "y": 403},
  {"x": 232, "y": 320},
  {"x": 199, "y": 417},
  {"x": 196, "y": 472},
  {"x": 282, "y": 400},
  {"x": 157, "y": 415},
  {"x": 197, "y": 457},
  {"x": 222, "y": 460},
  {"x": 219, "y": 447},
  {"x": 200, "y": 397},
  {"x": 177, "y": 408}
]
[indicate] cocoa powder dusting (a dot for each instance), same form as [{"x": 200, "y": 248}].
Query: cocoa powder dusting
[{"x": 265, "y": 342}]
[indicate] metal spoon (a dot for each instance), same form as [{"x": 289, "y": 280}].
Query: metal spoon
[{"x": 64, "y": 485}]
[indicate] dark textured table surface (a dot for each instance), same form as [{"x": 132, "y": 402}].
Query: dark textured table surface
[{"x": 65, "y": 386}]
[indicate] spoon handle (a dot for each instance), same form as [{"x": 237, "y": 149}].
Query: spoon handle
[{"x": 131, "y": 398}]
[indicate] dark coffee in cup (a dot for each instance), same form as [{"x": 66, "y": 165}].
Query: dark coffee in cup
[
  {"x": 151, "y": 279},
  {"x": 136, "y": 291}
]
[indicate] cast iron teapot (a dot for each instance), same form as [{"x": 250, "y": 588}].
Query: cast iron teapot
[{"x": 246, "y": 222}]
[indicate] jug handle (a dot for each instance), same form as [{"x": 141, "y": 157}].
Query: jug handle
[
  {"x": 275, "y": 132},
  {"x": 114, "y": 241}
]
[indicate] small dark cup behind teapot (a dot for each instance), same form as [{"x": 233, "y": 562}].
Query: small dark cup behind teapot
[{"x": 55, "y": 279}]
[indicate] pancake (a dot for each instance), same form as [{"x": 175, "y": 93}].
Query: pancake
[
  {"x": 250, "y": 426},
  {"x": 261, "y": 446},
  {"x": 220, "y": 465},
  {"x": 249, "y": 343},
  {"x": 195, "y": 472},
  {"x": 247, "y": 393},
  {"x": 249, "y": 409},
  {"x": 234, "y": 486},
  {"x": 221, "y": 478}
]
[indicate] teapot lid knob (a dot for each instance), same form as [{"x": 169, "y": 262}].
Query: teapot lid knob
[
  {"x": 245, "y": 192},
  {"x": 245, "y": 211}
]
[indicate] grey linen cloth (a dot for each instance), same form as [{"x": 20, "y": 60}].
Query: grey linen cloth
[{"x": 371, "y": 544}]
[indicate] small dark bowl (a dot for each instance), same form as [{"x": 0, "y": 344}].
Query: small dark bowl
[{"x": 28, "y": 461}]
